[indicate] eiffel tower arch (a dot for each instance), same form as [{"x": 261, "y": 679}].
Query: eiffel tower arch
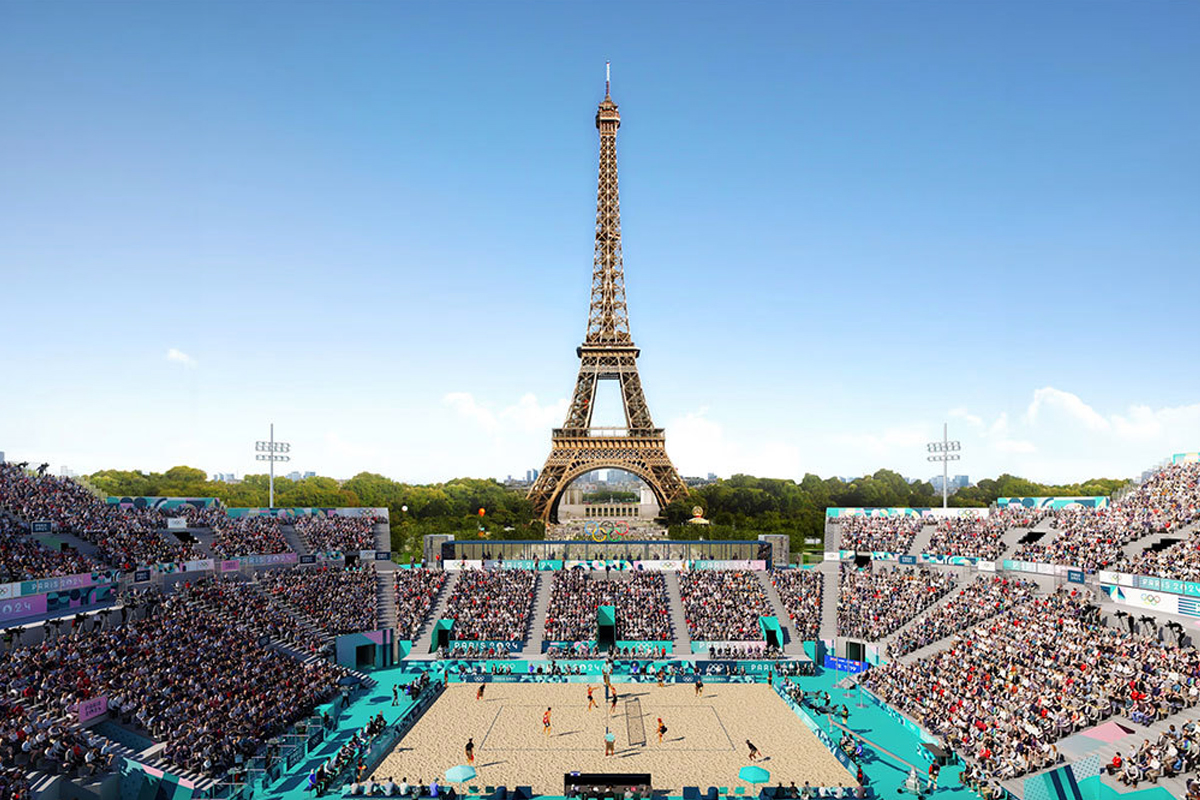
[{"x": 607, "y": 353}]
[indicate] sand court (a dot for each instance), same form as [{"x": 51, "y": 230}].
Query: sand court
[{"x": 704, "y": 744}]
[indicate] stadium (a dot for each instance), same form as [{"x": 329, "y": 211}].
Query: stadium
[
  {"x": 171, "y": 647},
  {"x": 176, "y": 646}
]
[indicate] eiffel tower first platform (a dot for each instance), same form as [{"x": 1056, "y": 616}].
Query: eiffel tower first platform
[{"x": 607, "y": 353}]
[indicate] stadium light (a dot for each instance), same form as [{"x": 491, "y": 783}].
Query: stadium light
[
  {"x": 272, "y": 451},
  {"x": 945, "y": 451}
]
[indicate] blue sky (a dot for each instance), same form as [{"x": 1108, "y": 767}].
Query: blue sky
[{"x": 372, "y": 224}]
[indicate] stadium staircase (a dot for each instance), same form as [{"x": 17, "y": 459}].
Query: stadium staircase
[
  {"x": 683, "y": 639},
  {"x": 1159, "y": 541},
  {"x": 543, "y": 586},
  {"x": 293, "y": 539},
  {"x": 205, "y": 540},
  {"x": 920, "y": 542},
  {"x": 833, "y": 536},
  {"x": 794, "y": 646},
  {"x": 383, "y": 536},
  {"x": 829, "y": 599},
  {"x": 1011, "y": 541},
  {"x": 385, "y": 597},
  {"x": 421, "y": 644}
]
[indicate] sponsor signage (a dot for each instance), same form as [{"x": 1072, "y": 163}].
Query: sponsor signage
[
  {"x": 141, "y": 575},
  {"x": 844, "y": 665},
  {"x": 758, "y": 565},
  {"x": 383, "y": 555},
  {"x": 908, "y": 559},
  {"x": 88, "y": 710},
  {"x": 1075, "y": 576},
  {"x": 41, "y": 526},
  {"x": 986, "y": 566},
  {"x": 21, "y": 607},
  {"x": 308, "y": 559},
  {"x": 664, "y": 565},
  {"x": 81, "y": 581},
  {"x": 176, "y": 523}
]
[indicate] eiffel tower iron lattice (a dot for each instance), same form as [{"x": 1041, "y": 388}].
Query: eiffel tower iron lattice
[{"x": 607, "y": 353}]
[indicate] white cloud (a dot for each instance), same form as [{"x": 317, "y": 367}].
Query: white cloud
[
  {"x": 1051, "y": 399},
  {"x": 465, "y": 404},
  {"x": 180, "y": 357},
  {"x": 525, "y": 416},
  {"x": 698, "y": 445}
]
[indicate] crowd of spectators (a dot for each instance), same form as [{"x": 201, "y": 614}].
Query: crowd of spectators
[
  {"x": 872, "y": 604},
  {"x": 248, "y": 536},
  {"x": 640, "y": 598},
  {"x": 801, "y": 591},
  {"x": 14, "y": 785},
  {"x": 723, "y": 605},
  {"x": 1092, "y": 539},
  {"x": 888, "y": 534},
  {"x": 192, "y": 681},
  {"x": 970, "y": 605},
  {"x": 977, "y": 536},
  {"x": 1176, "y": 751},
  {"x": 1004, "y": 691},
  {"x": 248, "y": 610},
  {"x": 493, "y": 605},
  {"x": 125, "y": 538},
  {"x": 337, "y": 600},
  {"x": 24, "y": 560},
  {"x": 343, "y": 534},
  {"x": 416, "y": 590}
]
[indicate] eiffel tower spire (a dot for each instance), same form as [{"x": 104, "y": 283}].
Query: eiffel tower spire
[
  {"x": 607, "y": 353},
  {"x": 608, "y": 319}
]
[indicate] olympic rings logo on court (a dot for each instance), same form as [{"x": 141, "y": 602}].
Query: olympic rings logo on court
[
  {"x": 1151, "y": 599},
  {"x": 605, "y": 531}
]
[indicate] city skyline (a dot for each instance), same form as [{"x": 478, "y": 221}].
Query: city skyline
[{"x": 841, "y": 230}]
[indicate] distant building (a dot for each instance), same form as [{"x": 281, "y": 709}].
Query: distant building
[
  {"x": 531, "y": 475},
  {"x": 712, "y": 477},
  {"x": 954, "y": 484},
  {"x": 310, "y": 474},
  {"x": 225, "y": 477},
  {"x": 1, "y": 456}
]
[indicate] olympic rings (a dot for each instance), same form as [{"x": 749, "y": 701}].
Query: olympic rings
[
  {"x": 605, "y": 531},
  {"x": 1151, "y": 599}
]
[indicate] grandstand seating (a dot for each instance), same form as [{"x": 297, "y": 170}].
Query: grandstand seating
[
  {"x": 22, "y": 559},
  {"x": 801, "y": 592},
  {"x": 243, "y": 536},
  {"x": 983, "y": 598},
  {"x": 642, "y": 612},
  {"x": 341, "y": 534},
  {"x": 723, "y": 605},
  {"x": 492, "y": 605},
  {"x": 1005, "y": 690},
  {"x": 888, "y": 534},
  {"x": 872, "y": 604},
  {"x": 125, "y": 538},
  {"x": 339, "y": 600},
  {"x": 415, "y": 590},
  {"x": 1093, "y": 539},
  {"x": 184, "y": 675}
]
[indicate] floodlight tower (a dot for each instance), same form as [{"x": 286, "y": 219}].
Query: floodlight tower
[
  {"x": 946, "y": 451},
  {"x": 271, "y": 451}
]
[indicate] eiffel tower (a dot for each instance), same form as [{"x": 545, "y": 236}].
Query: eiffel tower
[{"x": 607, "y": 353}]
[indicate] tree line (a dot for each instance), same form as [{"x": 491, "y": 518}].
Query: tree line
[{"x": 741, "y": 507}]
